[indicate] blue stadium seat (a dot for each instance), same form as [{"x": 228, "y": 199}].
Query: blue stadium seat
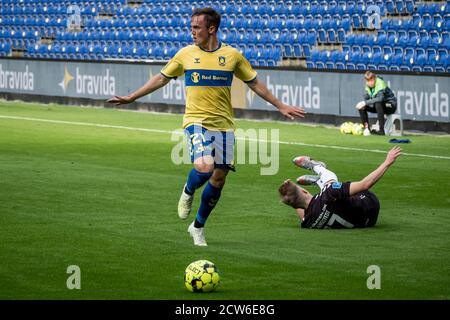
[
  {"x": 288, "y": 50},
  {"x": 42, "y": 50},
  {"x": 297, "y": 50},
  {"x": 425, "y": 42},
  {"x": 405, "y": 68},
  {"x": 306, "y": 49},
  {"x": 125, "y": 52},
  {"x": 322, "y": 35},
  {"x": 427, "y": 22},
  {"x": 293, "y": 27},
  {"x": 390, "y": 6},
  {"x": 410, "y": 6},
  {"x": 346, "y": 24},
  {"x": 403, "y": 41},
  {"x": 341, "y": 35},
  {"x": 332, "y": 38},
  {"x": 339, "y": 65},
  {"x": 356, "y": 21},
  {"x": 394, "y": 68},
  {"x": 315, "y": 55},
  {"x": 320, "y": 65},
  {"x": 387, "y": 60},
  {"x": 439, "y": 68},
  {"x": 397, "y": 59},
  {"x": 421, "y": 60}
]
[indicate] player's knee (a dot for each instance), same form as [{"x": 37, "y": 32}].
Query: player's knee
[
  {"x": 204, "y": 164},
  {"x": 218, "y": 178},
  {"x": 204, "y": 167}
]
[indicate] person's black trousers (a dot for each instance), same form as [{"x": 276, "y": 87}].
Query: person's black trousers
[{"x": 380, "y": 108}]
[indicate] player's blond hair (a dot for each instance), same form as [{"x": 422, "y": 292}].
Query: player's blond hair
[{"x": 369, "y": 75}]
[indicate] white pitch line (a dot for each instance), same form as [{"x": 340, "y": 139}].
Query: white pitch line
[
  {"x": 84, "y": 124},
  {"x": 99, "y": 125}
]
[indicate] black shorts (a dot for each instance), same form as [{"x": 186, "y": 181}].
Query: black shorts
[
  {"x": 372, "y": 208},
  {"x": 369, "y": 207}
]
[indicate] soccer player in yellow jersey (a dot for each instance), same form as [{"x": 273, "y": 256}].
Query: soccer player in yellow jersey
[{"x": 208, "y": 67}]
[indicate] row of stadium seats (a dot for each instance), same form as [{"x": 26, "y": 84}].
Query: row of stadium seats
[
  {"x": 288, "y": 49},
  {"x": 411, "y": 58},
  {"x": 242, "y": 3},
  {"x": 233, "y": 36},
  {"x": 433, "y": 39},
  {"x": 232, "y": 7},
  {"x": 328, "y": 8},
  {"x": 47, "y": 10},
  {"x": 264, "y": 22},
  {"x": 403, "y": 39},
  {"x": 429, "y": 23},
  {"x": 301, "y": 8},
  {"x": 65, "y": 2},
  {"x": 112, "y": 31},
  {"x": 292, "y": 29},
  {"x": 397, "y": 57}
]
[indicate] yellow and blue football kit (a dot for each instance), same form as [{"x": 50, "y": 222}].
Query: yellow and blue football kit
[
  {"x": 208, "y": 119},
  {"x": 208, "y": 77}
]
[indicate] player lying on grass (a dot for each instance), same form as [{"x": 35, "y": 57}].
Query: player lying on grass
[{"x": 338, "y": 205}]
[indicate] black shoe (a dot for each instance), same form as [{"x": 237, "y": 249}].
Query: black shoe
[{"x": 378, "y": 133}]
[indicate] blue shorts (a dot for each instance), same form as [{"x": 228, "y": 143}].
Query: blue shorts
[{"x": 217, "y": 144}]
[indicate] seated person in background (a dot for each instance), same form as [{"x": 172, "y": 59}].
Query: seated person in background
[{"x": 378, "y": 99}]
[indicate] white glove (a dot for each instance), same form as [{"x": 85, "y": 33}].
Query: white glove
[{"x": 360, "y": 105}]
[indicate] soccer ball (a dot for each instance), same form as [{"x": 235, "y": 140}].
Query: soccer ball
[
  {"x": 201, "y": 276},
  {"x": 346, "y": 127},
  {"x": 357, "y": 129}
]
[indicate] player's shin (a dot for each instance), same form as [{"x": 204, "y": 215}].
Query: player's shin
[
  {"x": 210, "y": 197},
  {"x": 195, "y": 180},
  {"x": 325, "y": 176}
]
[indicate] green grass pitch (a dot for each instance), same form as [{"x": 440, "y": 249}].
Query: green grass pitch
[{"x": 105, "y": 199}]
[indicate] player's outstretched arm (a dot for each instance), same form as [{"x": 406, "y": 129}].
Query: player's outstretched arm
[
  {"x": 156, "y": 82},
  {"x": 372, "y": 178},
  {"x": 288, "y": 111}
]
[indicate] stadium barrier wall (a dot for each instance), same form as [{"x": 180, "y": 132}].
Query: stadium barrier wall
[{"x": 328, "y": 97}]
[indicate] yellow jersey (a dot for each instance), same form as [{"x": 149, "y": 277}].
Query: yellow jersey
[{"x": 208, "y": 76}]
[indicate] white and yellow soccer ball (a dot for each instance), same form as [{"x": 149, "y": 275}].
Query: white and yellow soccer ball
[
  {"x": 346, "y": 127},
  {"x": 357, "y": 129},
  {"x": 201, "y": 276}
]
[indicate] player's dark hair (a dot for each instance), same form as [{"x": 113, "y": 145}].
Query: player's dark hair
[{"x": 212, "y": 16}]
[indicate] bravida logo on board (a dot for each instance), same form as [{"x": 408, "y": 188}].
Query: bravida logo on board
[
  {"x": 16, "y": 79},
  {"x": 89, "y": 84},
  {"x": 307, "y": 96},
  {"x": 424, "y": 103},
  {"x": 104, "y": 84}
]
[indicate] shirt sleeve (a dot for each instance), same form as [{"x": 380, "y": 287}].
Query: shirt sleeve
[
  {"x": 336, "y": 191},
  {"x": 174, "y": 68},
  {"x": 379, "y": 97},
  {"x": 244, "y": 70}
]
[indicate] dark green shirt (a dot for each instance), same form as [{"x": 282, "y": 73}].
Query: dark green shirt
[{"x": 380, "y": 92}]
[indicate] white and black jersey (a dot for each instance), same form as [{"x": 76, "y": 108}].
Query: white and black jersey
[{"x": 334, "y": 208}]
